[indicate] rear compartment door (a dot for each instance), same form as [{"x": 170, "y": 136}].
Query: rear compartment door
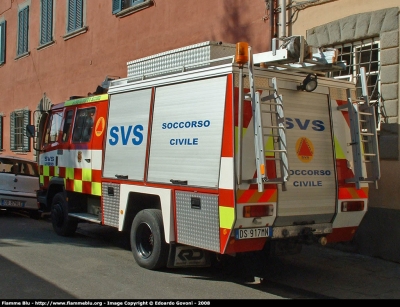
[{"x": 311, "y": 190}]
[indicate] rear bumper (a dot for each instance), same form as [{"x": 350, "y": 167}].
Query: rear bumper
[{"x": 283, "y": 232}]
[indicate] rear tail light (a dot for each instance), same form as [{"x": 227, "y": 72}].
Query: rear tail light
[
  {"x": 348, "y": 206},
  {"x": 258, "y": 210}
]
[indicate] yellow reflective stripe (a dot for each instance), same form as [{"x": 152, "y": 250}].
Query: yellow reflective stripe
[
  {"x": 244, "y": 130},
  {"x": 226, "y": 217},
  {"x": 86, "y": 100},
  {"x": 86, "y": 174},
  {"x": 46, "y": 170},
  {"x": 69, "y": 173},
  {"x": 96, "y": 188},
  {"x": 338, "y": 150},
  {"x": 41, "y": 179},
  {"x": 78, "y": 186},
  {"x": 269, "y": 146}
]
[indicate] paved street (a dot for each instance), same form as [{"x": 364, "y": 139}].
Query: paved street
[
  {"x": 338, "y": 274},
  {"x": 36, "y": 263}
]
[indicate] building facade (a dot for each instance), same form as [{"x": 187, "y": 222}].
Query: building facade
[
  {"x": 366, "y": 33},
  {"x": 51, "y": 50}
]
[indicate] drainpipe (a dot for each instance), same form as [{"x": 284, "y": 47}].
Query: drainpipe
[{"x": 282, "y": 18}]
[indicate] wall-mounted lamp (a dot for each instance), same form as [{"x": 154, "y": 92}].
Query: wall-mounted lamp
[{"x": 309, "y": 83}]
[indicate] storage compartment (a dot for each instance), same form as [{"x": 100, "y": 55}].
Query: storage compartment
[{"x": 178, "y": 59}]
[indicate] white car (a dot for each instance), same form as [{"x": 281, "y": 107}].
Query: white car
[{"x": 19, "y": 181}]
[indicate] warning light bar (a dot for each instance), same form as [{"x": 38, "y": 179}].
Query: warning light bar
[{"x": 242, "y": 53}]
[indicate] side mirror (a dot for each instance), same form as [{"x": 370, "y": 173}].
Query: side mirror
[{"x": 30, "y": 131}]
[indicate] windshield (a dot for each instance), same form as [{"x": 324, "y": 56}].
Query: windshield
[{"x": 15, "y": 166}]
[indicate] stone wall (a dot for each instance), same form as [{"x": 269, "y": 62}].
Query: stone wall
[{"x": 379, "y": 231}]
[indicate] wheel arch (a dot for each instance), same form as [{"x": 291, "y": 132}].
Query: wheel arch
[
  {"x": 151, "y": 199},
  {"x": 56, "y": 186}
]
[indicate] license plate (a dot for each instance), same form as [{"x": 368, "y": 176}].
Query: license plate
[
  {"x": 12, "y": 203},
  {"x": 251, "y": 233}
]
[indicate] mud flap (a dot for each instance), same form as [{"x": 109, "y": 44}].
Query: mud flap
[{"x": 181, "y": 256}]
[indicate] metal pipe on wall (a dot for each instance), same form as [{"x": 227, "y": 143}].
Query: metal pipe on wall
[{"x": 282, "y": 18}]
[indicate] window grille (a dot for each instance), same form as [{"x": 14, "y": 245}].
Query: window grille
[{"x": 365, "y": 53}]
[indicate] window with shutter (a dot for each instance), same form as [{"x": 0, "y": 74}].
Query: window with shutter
[
  {"x": 19, "y": 142},
  {"x": 23, "y": 29},
  {"x": 121, "y": 5},
  {"x": 1, "y": 132},
  {"x": 2, "y": 42},
  {"x": 116, "y": 6},
  {"x": 46, "y": 22},
  {"x": 75, "y": 15}
]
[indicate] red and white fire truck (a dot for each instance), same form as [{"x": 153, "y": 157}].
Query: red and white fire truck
[{"x": 212, "y": 150}]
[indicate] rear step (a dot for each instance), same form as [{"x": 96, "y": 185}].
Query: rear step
[{"x": 86, "y": 216}]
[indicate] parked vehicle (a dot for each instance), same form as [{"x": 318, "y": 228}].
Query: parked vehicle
[
  {"x": 213, "y": 156},
  {"x": 19, "y": 182}
]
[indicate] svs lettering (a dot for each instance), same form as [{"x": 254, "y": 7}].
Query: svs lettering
[
  {"x": 317, "y": 125},
  {"x": 126, "y": 134}
]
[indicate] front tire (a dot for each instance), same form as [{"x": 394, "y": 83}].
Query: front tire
[
  {"x": 148, "y": 240},
  {"x": 63, "y": 225}
]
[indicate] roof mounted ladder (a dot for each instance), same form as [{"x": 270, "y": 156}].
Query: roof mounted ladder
[
  {"x": 269, "y": 124},
  {"x": 364, "y": 140}
]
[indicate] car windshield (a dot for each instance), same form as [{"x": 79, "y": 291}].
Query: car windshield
[{"x": 15, "y": 166}]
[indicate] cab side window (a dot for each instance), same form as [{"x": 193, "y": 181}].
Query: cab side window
[
  {"x": 83, "y": 125},
  {"x": 66, "y": 131},
  {"x": 53, "y": 128}
]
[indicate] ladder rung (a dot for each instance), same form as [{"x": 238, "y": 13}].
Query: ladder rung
[
  {"x": 271, "y": 112},
  {"x": 274, "y": 127},
  {"x": 366, "y": 133},
  {"x": 364, "y": 113},
  {"x": 276, "y": 150},
  {"x": 278, "y": 180},
  {"x": 369, "y": 154},
  {"x": 272, "y": 104},
  {"x": 368, "y": 180},
  {"x": 361, "y": 179}
]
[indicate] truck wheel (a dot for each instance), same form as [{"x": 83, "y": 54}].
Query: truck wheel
[
  {"x": 148, "y": 241},
  {"x": 63, "y": 225}
]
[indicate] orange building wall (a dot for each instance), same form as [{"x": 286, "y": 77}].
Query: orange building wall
[{"x": 79, "y": 64}]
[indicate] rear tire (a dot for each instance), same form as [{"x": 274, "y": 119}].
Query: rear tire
[
  {"x": 63, "y": 224},
  {"x": 148, "y": 240}
]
